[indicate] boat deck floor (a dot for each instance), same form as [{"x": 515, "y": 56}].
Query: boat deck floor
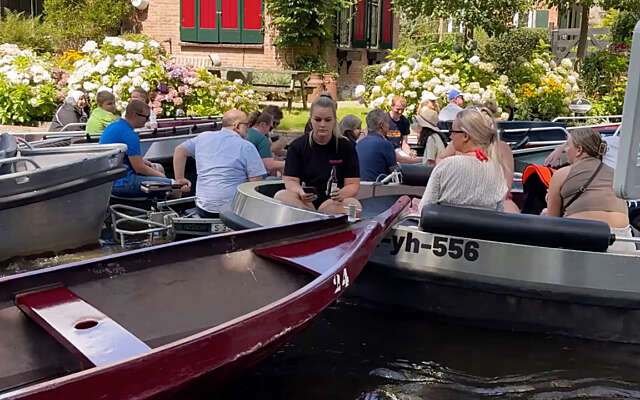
[{"x": 158, "y": 305}]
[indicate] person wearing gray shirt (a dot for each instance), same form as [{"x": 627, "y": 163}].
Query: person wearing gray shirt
[
  {"x": 224, "y": 160},
  {"x": 449, "y": 112}
]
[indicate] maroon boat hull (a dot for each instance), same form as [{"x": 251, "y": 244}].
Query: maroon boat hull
[{"x": 223, "y": 351}]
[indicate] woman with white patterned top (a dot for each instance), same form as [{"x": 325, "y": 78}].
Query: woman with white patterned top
[{"x": 475, "y": 176}]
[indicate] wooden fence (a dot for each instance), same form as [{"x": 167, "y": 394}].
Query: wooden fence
[{"x": 564, "y": 42}]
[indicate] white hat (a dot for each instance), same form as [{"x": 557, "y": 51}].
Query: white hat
[
  {"x": 429, "y": 96},
  {"x": 75, "y": 94}
]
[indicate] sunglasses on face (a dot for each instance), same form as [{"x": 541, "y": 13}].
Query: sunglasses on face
[
  {"x": 456, "y": 131},
  {"x": 146, "y": 116}
]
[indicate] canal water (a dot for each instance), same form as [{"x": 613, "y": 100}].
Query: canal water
[
  {"x": 354, "y": 351},
  {"x": 358, "y": 351}
]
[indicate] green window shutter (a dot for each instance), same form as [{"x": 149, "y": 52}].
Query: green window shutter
[
  {"x": 188, "y": 18},
  {"x": 542, "y": 18},
  {"x": 230, "y": 21}
]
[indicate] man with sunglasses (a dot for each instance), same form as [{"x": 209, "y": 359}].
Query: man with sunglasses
[
  {"x": 224, "y": 160},
  {"x": 138, "y": 169}
]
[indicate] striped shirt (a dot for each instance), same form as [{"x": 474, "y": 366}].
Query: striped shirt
[{"x": 465, "y": 181}]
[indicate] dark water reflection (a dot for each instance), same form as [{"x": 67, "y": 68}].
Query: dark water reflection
[{"x": 355, "y": 352}]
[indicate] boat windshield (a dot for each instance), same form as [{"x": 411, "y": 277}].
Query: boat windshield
[{"x": 627, "y": 172}]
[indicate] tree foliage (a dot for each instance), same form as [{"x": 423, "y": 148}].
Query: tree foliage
[
  {"x": 494, "y": 16},
  {"x": 72, "y": 22},
  {"x": 303, "y": 23}
]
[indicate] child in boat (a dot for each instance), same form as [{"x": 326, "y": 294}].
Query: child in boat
[
  {"x": 473, "y": 177},
  {"x": 104, "y": 114}
]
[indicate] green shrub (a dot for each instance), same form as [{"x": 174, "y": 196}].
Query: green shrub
[
  {"x": 369, "y": 74},
  {"x": 516, "y": 44},
  {"x": 72, "y": 22},
  {"x": 611, "y": 103},
  {"x": 601, "y": 70},
  {"x": 622, "y": 27},
  {"x": 25, "y": 32}
]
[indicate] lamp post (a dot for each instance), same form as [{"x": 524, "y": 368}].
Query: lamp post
[{"x": 580, "y": 106}]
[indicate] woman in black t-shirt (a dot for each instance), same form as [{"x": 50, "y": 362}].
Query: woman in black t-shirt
[{"x": 311, "y": 160}]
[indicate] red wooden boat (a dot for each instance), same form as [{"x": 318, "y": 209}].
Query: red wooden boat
[{"x": 149, "y": 321}]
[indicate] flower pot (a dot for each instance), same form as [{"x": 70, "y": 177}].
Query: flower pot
[
  {"x": 331, "y": 85},
  {"x": 317, "y": 83}
]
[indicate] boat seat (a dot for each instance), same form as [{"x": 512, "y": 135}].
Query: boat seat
[
  {"x": 271, "y": 189},
  {"x": 84, "y": 330},
  {"x": 373, "y": 206},
  {"x": 415, "y": 174},
  {"x": 532, "y": 230},
  {"x": 8, "y": 149}
]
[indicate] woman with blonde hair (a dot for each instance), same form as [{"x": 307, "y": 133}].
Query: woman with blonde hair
[
  {"x": 321, "y": 170},
  {"x": 473, "y": 177},
  {"x": 584, "y": 189}
]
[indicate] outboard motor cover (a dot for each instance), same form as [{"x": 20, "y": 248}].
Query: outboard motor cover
[
  {"x": 532, "y": 230},
  {"x": 8, "y": 149}
]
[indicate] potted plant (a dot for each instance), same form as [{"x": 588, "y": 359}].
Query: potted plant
[{"x": 317, "y": 68}]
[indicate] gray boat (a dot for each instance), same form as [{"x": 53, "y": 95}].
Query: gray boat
[
  {"x": 54, "y": 199},
  {"x": 497, "y": 270}
]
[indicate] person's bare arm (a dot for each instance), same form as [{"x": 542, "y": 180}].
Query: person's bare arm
[
  {"x": 350, "y": 189},
  {"x": 271, "y": 164},
  {"x": 449, "y": 151},
  {"x": 292, "y": 184},
  {"x": 141, "y": 168},
  {"x": 554, "y": 199},
  {"x": 405, "y": 146},
  {"x": 180, "y": 155},
  {"x": 404, "y": 158},
  {"x": 255, "y": 178},
  {"x": 556, "y": 157},
  {"x": 277, "y": 147},
  {"x": 508, "y": 165}
]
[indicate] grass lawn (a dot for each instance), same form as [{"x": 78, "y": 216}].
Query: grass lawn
[{"x": 297, "y": 118}]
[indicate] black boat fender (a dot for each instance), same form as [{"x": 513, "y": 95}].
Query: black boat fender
[{"x": 532, "y": 230}]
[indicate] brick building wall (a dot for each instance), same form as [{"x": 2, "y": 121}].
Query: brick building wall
[{"x": 161, "y": 20}]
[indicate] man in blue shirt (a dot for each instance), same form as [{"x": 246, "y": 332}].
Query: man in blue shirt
[
  {"x": 375, "y": 153},
  {"x": 138, "y": 169},
  {"x": 224, "y": 159}
]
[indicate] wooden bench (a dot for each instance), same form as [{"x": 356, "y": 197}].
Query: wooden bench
[
  {"x": 296, "y": 81},
  {"x": 90, "y": 335}
]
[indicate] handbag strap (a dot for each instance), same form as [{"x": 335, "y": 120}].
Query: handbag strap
[{"x": 583, "y": 188}]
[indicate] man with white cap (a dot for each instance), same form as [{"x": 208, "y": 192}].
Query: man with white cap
[
  {"x": 70, "y": 112},
  {"x": 429, "y": 100},
  {"x": 452, "y": 109}
]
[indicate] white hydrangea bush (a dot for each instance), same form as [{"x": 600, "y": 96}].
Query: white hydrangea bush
[
  {"x": 27, "y": 87},
  {"x": 120, "y": 64},
  {"x": 415, "y": 79}
]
